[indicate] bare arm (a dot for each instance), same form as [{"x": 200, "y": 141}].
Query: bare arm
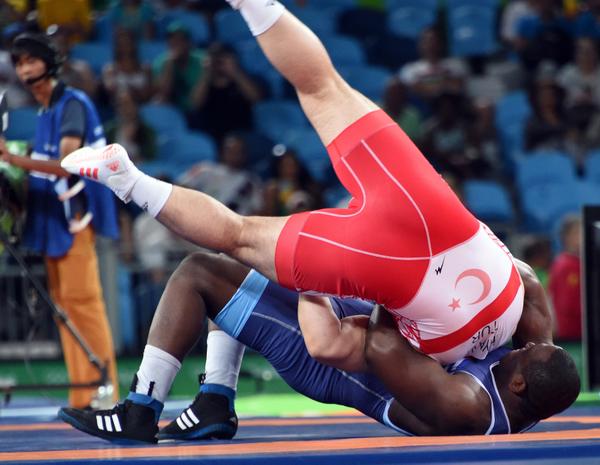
[
  {"x": 68, "y": 144},
  {"x": 329, "y": 340},
  {"x": 536, "y": 321},
  {"x": 432, "y": 401}
]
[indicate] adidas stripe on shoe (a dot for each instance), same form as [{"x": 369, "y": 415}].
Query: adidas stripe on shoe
[
  {"x": 210, "y": 416},
  {"x": 133, "y": 421}
]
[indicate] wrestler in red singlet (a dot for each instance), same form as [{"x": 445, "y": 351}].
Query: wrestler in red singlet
[{"x": 406, "y": 242}]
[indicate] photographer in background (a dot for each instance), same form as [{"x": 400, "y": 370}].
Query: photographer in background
[
  {"x": 61, "y": 220},
  {"x": 224, "y": 86}
]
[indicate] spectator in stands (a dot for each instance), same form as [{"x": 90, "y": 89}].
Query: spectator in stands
[
  {"x": 228, "y": 181},
  {"x": 432, "y": 74},
  {"x": 224, "y": 86},
  {"x": 127, "y": 73},
  {"x": 179, "y": 69},
  {"x": 547, "y": 127},
  {"x": 135, "y": 16},
  {"x": 545, "y": 35},
  {"x": 538, "y": 253},
  {"x": 75, "y": 73},
  {"x": 511, "y": 16},
  {"x": 581, "y": 82},
  {"x": 291, "y": 184},
  {"x": 395, "y": 103},
  {"x": 446, "y": 139},
  {"x": 74, "y": 16},
  {"x": 587, "y": 24},
  {"x": 129, "y": 130},
  {"x": 565, "y": 281},
  {"x": 482, "y": 140}
]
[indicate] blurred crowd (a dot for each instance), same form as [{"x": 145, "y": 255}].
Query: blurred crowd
[{"x": 544, "y": 56}]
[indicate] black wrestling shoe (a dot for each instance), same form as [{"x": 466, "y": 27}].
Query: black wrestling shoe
[
  {"x": 210, "y": 416},
  {"x": 133, "y": 421}
]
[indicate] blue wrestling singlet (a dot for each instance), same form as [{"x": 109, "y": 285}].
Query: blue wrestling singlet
[{"x": 264, "y": 316}]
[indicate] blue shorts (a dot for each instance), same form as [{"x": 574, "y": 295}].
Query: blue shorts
[{"x": 264, "y": 316}]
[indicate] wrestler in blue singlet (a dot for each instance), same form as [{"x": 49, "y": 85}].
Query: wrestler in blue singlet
[{"x": 264, "y": 316}]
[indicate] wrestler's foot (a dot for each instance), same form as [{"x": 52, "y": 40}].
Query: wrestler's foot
[
  {"x": 126, "y": 423},
  {"x": 109, "y": 165},
  {"x": 211, "y": 415},
  {"x": 133, "y": 421}
]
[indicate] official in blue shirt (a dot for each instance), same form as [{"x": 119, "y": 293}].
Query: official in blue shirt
[{"x": 63, "y": 212}]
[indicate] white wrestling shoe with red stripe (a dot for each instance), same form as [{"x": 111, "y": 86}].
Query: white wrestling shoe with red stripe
[{"x": 109, "y": 165}]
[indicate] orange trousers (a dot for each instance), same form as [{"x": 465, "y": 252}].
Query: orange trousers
[{"x": 74, "y": 284}]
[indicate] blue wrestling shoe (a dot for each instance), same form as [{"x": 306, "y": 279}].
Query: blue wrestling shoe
[
  {"x": 133, "y": 421},
  {"x": 210, "y": 416}
]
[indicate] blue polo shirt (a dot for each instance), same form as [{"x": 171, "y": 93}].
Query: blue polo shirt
[{"x": 70, "y": 113}]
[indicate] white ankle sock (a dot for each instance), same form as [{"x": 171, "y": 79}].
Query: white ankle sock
[
  {"x": 260, "y": 15},
  {"x": 158, "y": 367},
  {"x": 223, "y": 359},
  {"x": 150, "y": 194}
]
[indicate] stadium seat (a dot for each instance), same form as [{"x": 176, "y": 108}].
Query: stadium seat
[
  {"x": 259, "y": 149},
  {"x": 321, "y": 22},
  {"x": 96, "y": 54},
  {"x": 164, "y": 119},
  {"x": 191, "y": 147},
  {"x": 391, "y": 52},
  {"x": 544, "y": 167},
  {"x": 195, "y": 23},
  {"x": 544, "y": 204},
  {"x": 163, "y": 168},
  {"x": 514, "y": 105},
  {"x": 488, "y": 201},
  {"x": 328, "y": 6},
  {"x": 429, "y": 4},
  {"x": 344, "y": 50},
  {"x": 230, "y": 27},
  {"x": 588, "y": 193},
  {"x": 103, "y": 29},
  {"x": 410, "y": 21},
  {"x": 251, "y": 57},
  {"x": 472, "y": 31},
  {"x": 150, "y": 49},
  {"x": 512, "y": 112},
  {"x": 364, "y": 24},
  {"x": 22, "y": 123},
  {"x": 369, "y": 80},
  {"x": 452, "y": 4},
  {"x": 311, "y": 153},
  {"x": 273, "y": 118},
  {"x": 592, "y": 167}
]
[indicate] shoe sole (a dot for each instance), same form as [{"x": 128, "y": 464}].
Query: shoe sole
[
  {"x": 94, "y": 432},
  {"x": 209, "y": 432}
]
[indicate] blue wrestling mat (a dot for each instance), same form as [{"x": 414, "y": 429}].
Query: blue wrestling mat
[{"x": 32, "y": 434}]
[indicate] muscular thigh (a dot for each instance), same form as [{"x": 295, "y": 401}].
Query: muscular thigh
[{"x": 334, "y": 108}]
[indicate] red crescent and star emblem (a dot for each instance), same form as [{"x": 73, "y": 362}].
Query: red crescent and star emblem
[{"x": 477, "y": 274}]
